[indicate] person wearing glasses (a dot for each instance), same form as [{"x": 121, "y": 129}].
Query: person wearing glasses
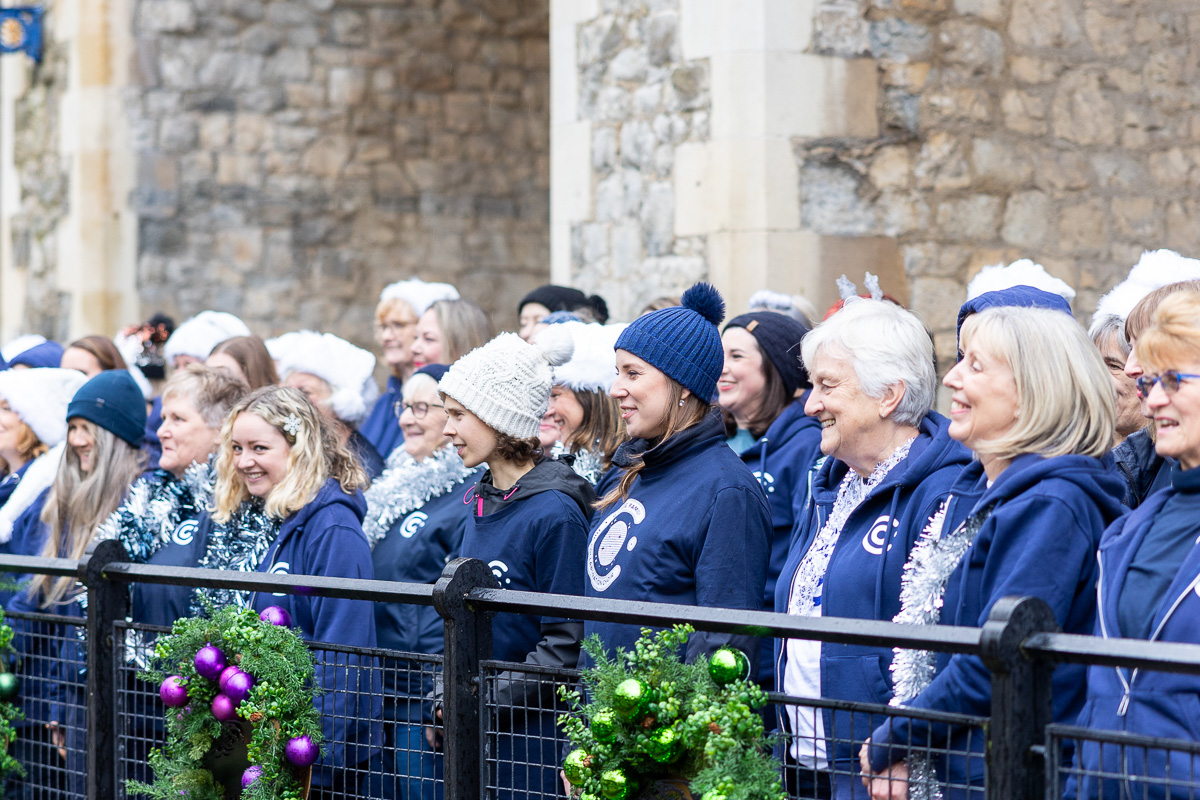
[
  {"x": 1034, "y": 402},
  {"x": 415, "y": 522},
  {"x": 1149, "y": 570},
  {"x": 401, "y": 304}
]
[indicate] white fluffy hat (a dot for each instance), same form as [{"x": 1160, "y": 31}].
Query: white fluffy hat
[
  {"x": 40, "y": 397},
  {"x": 282, "y": 344},
  {"x": 1024, "y": 272},
  {"x": 1155, "y": 269},
  {"x": 593, "y": 364},
  {"x": 199, "y": 335},
  {"x": 506, "y": 382},
  {"x": 418, "y": 294},
  {"x": 349, "y": 371}
]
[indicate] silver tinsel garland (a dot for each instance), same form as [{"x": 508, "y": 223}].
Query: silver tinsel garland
[
  {"x": 239, "y": 544},
  {"x": 587, "y": 464},
  {"x": 155, "y": 506},
  {"x": 407, "y": 484}
]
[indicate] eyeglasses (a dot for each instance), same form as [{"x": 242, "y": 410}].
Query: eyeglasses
[
  {"x": 393, "y": 327},
  {"x": 1170, "y": 381},
  {"x": 419, "y": 409}
]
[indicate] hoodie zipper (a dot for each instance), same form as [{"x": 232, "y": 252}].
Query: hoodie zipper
[{"x": 1125, "y": 684}]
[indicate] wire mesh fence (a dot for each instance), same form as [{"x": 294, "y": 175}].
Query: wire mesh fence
[{"x": 1114, "y": 765}]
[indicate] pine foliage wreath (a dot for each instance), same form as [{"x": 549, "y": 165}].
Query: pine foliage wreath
[
  {"x": 9, "y": 713},
  {"x": 233, "y": 666}
]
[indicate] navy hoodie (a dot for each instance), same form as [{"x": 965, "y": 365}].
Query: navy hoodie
[
  {"x": 1144, "y": 470},
  {"x": 1163, "y": 704},
  {"x": 325, "y": 538},
  {"x": 862, "y": 580},
  {"x": 695, "y": 530},
  {"x": 1039, "y": 540},
  {"x": 381, "y": 428}
]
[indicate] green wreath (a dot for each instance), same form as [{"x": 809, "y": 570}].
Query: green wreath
[
  {"x": 653, "y": 718},
  {"x": 9, "y": 713},
  {"x": 232, "y": 668}
]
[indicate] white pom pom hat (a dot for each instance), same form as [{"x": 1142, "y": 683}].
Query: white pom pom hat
[
  {"x": 40, "y": 398},
  {"x": 1019, "y": 273},
  {"x": 418, "y": 294},
  {"x": 349, "y": 371},
  {"x": 199, "y": 335},
  {"x": 1155, "y": 269},
  {"x": 506, "y": 382},
  {"x": 593, "y": 365}
]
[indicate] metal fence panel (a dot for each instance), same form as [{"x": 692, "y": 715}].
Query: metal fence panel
[{"x": 1128, "y": 766}]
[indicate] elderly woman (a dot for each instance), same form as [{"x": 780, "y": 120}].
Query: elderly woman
[
  {"x": 1108, "y": 334},
  {"x": 1023, "y": 519},
  {"x": 890, "y": 462},
  {"x": 1149, "y": 568}
]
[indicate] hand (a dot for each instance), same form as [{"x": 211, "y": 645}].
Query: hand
[
  {"x": 58, "y": 737},
  {"x": 433, "y": 733},
  {"x": 888, "y": 784}
]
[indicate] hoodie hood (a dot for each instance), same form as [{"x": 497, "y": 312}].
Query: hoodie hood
[
  {"x": 712, "y": 427},
  {"x": 1098, "y": 478},
  {"x": 547, "y": 475},
  {"x": 1021, "y": 296},
  {"x": 330, "y": 494},
  {"x": 790, "y": 423}
]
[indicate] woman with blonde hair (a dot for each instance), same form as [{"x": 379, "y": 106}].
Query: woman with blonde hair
[
  {"x": 245, "y": 358},
  {"x": 288, "y": 499},
  {"x": 1034, "y": 401},
  {"x": 449, "y": 330}
]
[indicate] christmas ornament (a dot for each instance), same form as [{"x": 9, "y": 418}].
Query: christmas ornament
[
  {"x": 210, "y": 662},
  {"x": 276, "y": 615},
  {"x": 604, "y": 726},
  {"x": 173, "y": 691},
  {"x": 713, "y": 796},
  {"x": 614, "y": 784},
  {"x": 250, "y": 776},
  {"x": 226, "y": 674},
  {"x": 9, "y": 685},
  {"x": 577, "y": 766},
  {"x": 238, "y": 687},
  {"x": 631, "y": 698},
  {"x": 663, "y": 746},
  {"x": 301, "y": 751},
  {"x": 728, "y": 665},
  {"x": 223, "y": 708}
]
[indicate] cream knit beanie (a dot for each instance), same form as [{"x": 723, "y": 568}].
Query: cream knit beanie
[{"x": 506, "y": 382}]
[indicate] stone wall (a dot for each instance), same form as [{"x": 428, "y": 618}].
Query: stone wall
[{"x": 296, "y": 155}]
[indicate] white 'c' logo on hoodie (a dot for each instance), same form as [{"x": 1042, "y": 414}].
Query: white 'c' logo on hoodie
[{"x": 609, "y": 540}]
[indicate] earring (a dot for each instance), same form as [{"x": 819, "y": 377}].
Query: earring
[{"x": 681, "y": 404}]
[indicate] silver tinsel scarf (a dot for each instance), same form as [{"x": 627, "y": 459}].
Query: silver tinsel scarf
[
  {"x": 586, "y": 463},
  {"x": 239, "y": 544},
  {"x": 154, "y": 508},
  {"x": 407, "y": 484},
  {"x": 933, "y": 560}
]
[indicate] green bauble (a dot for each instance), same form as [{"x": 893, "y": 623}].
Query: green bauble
[
  {"x": 663, "y": 746},
  {"x": 728, "y": 665},
  {"x": 604, "y": 726},
  {"x": 631, "y": 698},
  {"x": 9, "y": 685},
  {"x": 588, "y": 796},
  {"x": 713, "y": 795},
  {"x": 577, "y": 766},
  {"x": 614, "y": 784}
]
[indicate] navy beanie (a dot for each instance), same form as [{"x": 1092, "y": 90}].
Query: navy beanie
[
  {"x": 46, "y": 354},
  {"x": 682, "y": 341},
  {"x": 778, "y": 337},
  {"x": 114, "y": 402},
  {"x": 435, "y": 371}
]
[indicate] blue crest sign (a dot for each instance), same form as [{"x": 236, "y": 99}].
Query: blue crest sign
[{"x": 21, "y": 31}]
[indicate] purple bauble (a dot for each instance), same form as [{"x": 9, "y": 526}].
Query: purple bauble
[
  {"x": 238, "y": 686},
  {"x": 301, "y": 751},
  {"x": 276, "y": 616},
  {"x": 226, "y": 674},
  {"x": 210, "y": 662},
  {"x": 223, "y": 708},
  {"x": 173, "y": 691},
  {"x": 250, "y": 776}
]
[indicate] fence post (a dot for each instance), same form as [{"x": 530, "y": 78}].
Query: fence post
[
  {"x": 468, "y": 640},
  {"x": 107, "y": 603},
  {"x": 1021, "y": 698}
]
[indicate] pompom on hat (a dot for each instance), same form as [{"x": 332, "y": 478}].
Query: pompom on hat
[
  {"x": 506, "y": 382},
  {"x": 349, "y": 371},
  {"x": 593, "y": 364},
  {"x": 682, "y": 341},
  {"x": 199, "y": 335},
  {"x": 1022, "y": 272},
  {"x": 419, "y": 294},
  {"x": 40, "y": 398}
]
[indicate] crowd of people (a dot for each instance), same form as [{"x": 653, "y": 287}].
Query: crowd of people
[{"x": 774, "y": 462}]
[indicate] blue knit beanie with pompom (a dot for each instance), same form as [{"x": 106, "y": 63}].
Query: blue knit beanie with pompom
[{"x": 682, "y": 341}]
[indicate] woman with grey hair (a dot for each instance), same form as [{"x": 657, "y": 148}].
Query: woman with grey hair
[
  {"x": 889, "y": 462},
  {"x": 1108, "y": 334},
  {"x": 1034, "y": 402}
]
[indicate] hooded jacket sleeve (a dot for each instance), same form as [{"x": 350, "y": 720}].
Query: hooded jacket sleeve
[{"x": 1038, "y": 546}]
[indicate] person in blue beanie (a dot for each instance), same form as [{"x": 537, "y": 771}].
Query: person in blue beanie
[
  {"x": 106, "y": 422},
  {"x": 763, "y": 388},
  {"x": 1034, "y": 402},
  {"x": 1149, "y": 569},
  {"x": 528, "y": 522},
  {"x": 889, "y": 464},
  {"x": 687, "y": 522},
  {"x": 288, "y": 500}
]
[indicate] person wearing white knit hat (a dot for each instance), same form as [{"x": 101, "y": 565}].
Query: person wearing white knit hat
[
  {"x": 194, "y": 340},
  {"x": 33, "y": 425},
  {"x": 583, "y": 425},
  {"x": 528, "y": 521},
  {"x": 339, "y": 379},
  {"x": 401, "y": 305}
]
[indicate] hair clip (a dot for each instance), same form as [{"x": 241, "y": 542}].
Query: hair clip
[{"x": 292, "y": 425}]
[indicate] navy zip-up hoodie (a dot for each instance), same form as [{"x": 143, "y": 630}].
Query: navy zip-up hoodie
[
  {"x": 862, "y": 580},
  {"x": 1163, "y": 704},
  {"x": 381, "y": 428},
  {"x": 695, "y": 530},
  {"x": 325, "y": 538},
  {"x": 1039, "y": 540}
]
